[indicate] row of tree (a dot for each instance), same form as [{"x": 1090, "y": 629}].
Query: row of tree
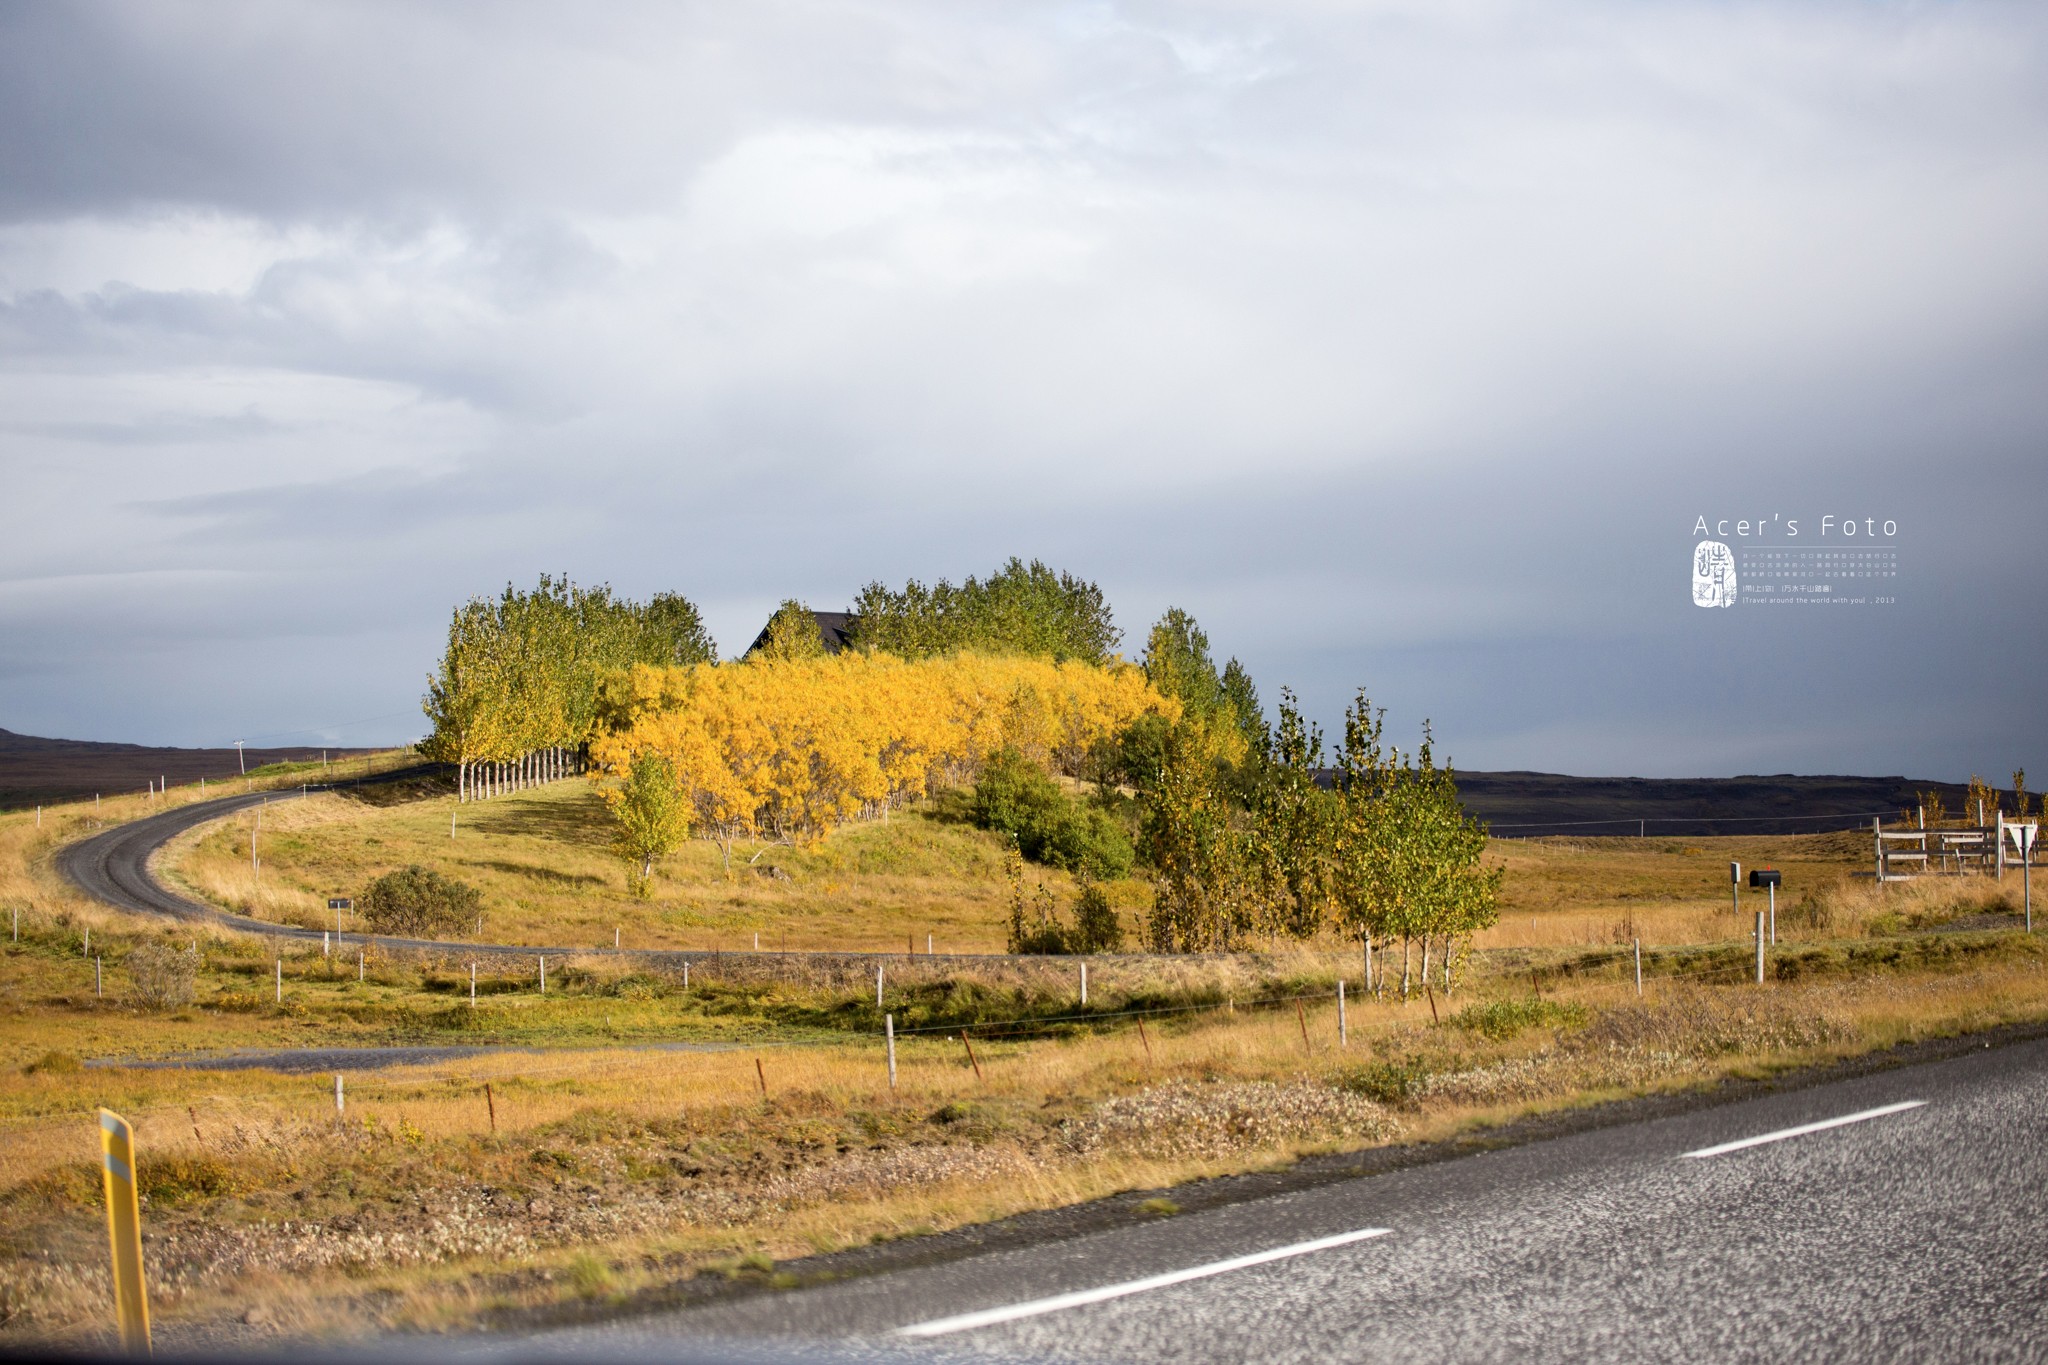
[
  {"x": 520, "y": 686},
  {"x": 1250, "y": 836},
  {"x": 1020, "y": 609}
]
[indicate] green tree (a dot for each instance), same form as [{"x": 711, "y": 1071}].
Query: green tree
[
  {"x": 1243, "y": 700},
  {"x": 672, "y": 632},
  {"x": 1406, "y": 858},
  {"x": 1020, "y": 609},
  {"x": 1292, "y": 826},
  {"x": 791, "y": 633},
  {"x": 650, "y": 818},
  {"x": 1177, "y": 662},
  {"x": 1190, "y": 835}
]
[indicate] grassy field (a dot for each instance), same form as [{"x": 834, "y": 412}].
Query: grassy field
[
  {"x": 660, "y": 1130},
  {"x": 542, "y": 861}
]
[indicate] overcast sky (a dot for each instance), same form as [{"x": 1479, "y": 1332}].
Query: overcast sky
[{"x": 1403, "y": 344}]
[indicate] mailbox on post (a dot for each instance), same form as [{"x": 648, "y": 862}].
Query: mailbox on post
[{"x": 1768, "y": 879}]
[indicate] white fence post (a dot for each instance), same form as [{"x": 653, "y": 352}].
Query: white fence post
[
  {"x": 472, "y": 985},
  {"x": 878, "y": 985},
  {"x": 544, "y": 973},
  {"x": 339, "y": 1103},
  {"x": 1759, "y": 947},
  {"x": 1639, "y": 968},
  {"x": 889, "y": 1027},
  {"x": 280, "y": 981},
  {"x": 1084, "y": 984},
  {"x": 1343, "y": 1025}
]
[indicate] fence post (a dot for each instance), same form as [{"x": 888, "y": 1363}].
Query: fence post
[
  {"x": 1343, "y": 1028},
  {"x": 280, "y": 981},
  {"x": 340, "y": 1104},
  {"x": 1639, "y": 969},
  {"x": 686, "y": 973},
  {"x": 1877, "y": 838},
  {"x": 326, "y": 944},
  {"x": 472, "y": 985},
  {"x": 878, "y": 985},
  {"x": 98, "y": 985},
  {"x": 1759, "y": 947},
  {"x": 1774, "y": 914},
  {"x": 1084, "y": 985},
  {"x": 544, "y": 973},
  {"x": 359, "y": 964},
  {"x": 889, "y": 1029}
]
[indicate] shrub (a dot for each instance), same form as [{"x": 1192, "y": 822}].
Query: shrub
[
  {"x": 1016, "y": 797},
  {"x": 1096, "y": 927},
  {"x": 165, "y": 978},
  {"x": 1501, "y": 1020},
  {"x": 184, "y": 1179},
  {"x": 419, "y": 902},
  {"x": 1390, "y": 1080}
]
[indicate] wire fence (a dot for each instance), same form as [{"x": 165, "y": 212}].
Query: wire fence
[{"x": 1641, "y": 824}]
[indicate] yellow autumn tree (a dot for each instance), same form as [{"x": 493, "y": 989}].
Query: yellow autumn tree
[{"x": 791, "y": 748}]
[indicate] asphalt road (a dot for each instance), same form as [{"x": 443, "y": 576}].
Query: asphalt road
[
  {"x": 1917, "y": 1234},
  {"x": 113, "y": 866}
]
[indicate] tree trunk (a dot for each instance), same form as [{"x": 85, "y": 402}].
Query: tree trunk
[
  {"x": 1426, "y": 941},
  {"x": 1404, "y": 966}
]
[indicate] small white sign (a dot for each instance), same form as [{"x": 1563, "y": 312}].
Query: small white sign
[{"x": 2022, "y": 838}]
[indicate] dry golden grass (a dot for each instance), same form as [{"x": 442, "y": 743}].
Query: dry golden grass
[
  {"x": 542, "y": 861},
  {"x": 587, "y": 1171},
  {"x": 658, "y": 1163}
]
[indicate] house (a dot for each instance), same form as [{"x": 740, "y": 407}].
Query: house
[{"x": 834, "y": 629}]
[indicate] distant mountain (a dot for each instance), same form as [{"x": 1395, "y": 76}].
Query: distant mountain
[{"x": 35, "y": 770}]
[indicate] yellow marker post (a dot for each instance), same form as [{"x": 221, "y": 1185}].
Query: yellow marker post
[{"x": 124, "y": 1229}]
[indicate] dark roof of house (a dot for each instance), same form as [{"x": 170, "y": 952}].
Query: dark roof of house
[{"x": 834, "y": 629}]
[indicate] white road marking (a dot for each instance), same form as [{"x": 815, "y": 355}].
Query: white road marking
[
  {"x": 1803, "y": 1129},
  {"x": 987, "y": 1317}
]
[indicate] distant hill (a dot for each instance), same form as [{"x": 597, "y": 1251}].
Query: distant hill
[
  {"x": 34, "y": 770},
  {"x": 1524, "y": 804}
]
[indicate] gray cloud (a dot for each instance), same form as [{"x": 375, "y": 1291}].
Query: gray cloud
[{"x": 1403, "y": 345}]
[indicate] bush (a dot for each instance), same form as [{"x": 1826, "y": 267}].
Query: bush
[
  {"x": 1501, "y": 1020},
  {"x": 419, "y": 903},
  {"x": 165, "y": 978},
  {"x": 1096, "y": 927},
  {"x": 1015, "y": 797},
  {"x": 1391, "y": 1080}
]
